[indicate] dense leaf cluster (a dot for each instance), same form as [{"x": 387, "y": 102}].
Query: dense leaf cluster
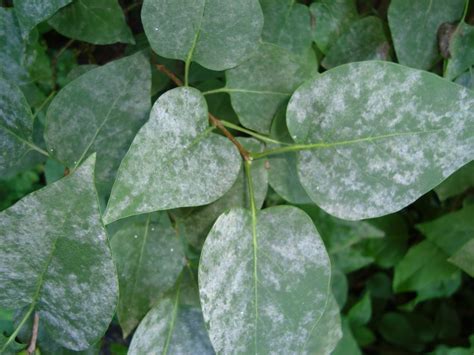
[{"x": 251, "y": 176}]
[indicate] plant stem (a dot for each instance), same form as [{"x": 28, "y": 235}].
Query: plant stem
[
  {"x": 251, "y": 133},
  {"x": 253, "y": 209},
  {"x": 217, "y": 123},
  {"x": 43, "y": 104},
  {"x": 213, "y": 119},
  {"x": 17, "y": 330},
  {"x": 162, "y": 68},
  {"x": 34, "y": 335}
]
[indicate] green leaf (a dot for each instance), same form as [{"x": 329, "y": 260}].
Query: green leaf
[
  {"x": 464, "y": 258},
  {"x": 16, "y": 127},
  {"x": 461, "y": 49},
  {"x": 174, "y": 161},
  {"x": 348, "y": 344},
  {"x": 361, "y": 312},
  {"x": 93, "y": 21},
  {"x": 262, "y": 84},
  {"x": 32, "y": 12},
  {"x": 216, "y": 34},
  {"x": 424, "y": 265},
  {"x": 287, "y": 24},
  {"x": 100, "y": 111},
  {"x": 55, "y": 259},
  {"x": 451, "y": 231},
  {"x": 149, "y": 258},
  {"x": 195, "y": 223},
  {"x": 330, "y": 19},
  {"x": 414, "y": 27},
  {"x": 283, "y": 172},
  {"x": 364, "y": 40},
  {"x": 174, "y": 326},
  {"x": 264, "y": 281},
  {"x": 368, "y": 148},
  {"x": 457, "y": 183},
  {"x": 14, "y": 56}
]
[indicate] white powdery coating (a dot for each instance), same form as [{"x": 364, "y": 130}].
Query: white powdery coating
[
  {"x": 414, "y": 130},
  {"x": 291, "y": 287},
  {"x": 173, "y": 162},
  {"x": 55, "y": 254},
  {"x": 218, "y": 34}
]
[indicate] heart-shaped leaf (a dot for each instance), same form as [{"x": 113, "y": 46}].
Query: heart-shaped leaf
[
  {"x": 56, "y": 261},
  {"x": 174, "y": 161},
  {"x": 218, "y": 34},
  {"x": 264, "y": 281},
  {"x": 376, "y": 136}
]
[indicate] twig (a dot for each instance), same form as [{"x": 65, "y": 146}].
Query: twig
[
  {"x": 169, "y": 74},
  {"x": 213, "y": 119},
  {"x": 217, "y": 123},
  {"x": 34, "y": 335}
]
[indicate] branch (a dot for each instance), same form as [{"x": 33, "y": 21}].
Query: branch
[
  {"x": 34, "y": 335},
  {"x": 213, "y": 119}
]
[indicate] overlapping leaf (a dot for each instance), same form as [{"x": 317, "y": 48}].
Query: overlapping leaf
[
  {"x": 195, "y": 223},
  {"x": 262, "y": 84},
  {"x": 287, "y": 24},
  {"x": 101, "y": 111},
  {"x": 217, "y": 34},
  {"x": 414, "y": 27},
  {"x": 264, "y": 281},
  {"x": 174, "y": 161},
  {"x": 94, "y": 21},
  {"x": 149, "y": 258},
  {"x": 55, "y": 260},
  {"x": 370, "y": 148},
  {"x": 32, "y": 12}
]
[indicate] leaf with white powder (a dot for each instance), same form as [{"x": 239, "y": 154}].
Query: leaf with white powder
[
  {"x": 174, "y": 161},
  {"x": 55, "y": 260},
  {"x": 264, "y": 281},
  {"x": 370, "y": 148},
  {"x": 218, "y": 34}
]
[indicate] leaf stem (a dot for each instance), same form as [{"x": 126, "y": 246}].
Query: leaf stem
[
  {"x": 17, "y": 330},
  {"x": 253, "y": 210},
  {"x": 215, "y": 91},
  {"x": 251, "y": 133}
]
